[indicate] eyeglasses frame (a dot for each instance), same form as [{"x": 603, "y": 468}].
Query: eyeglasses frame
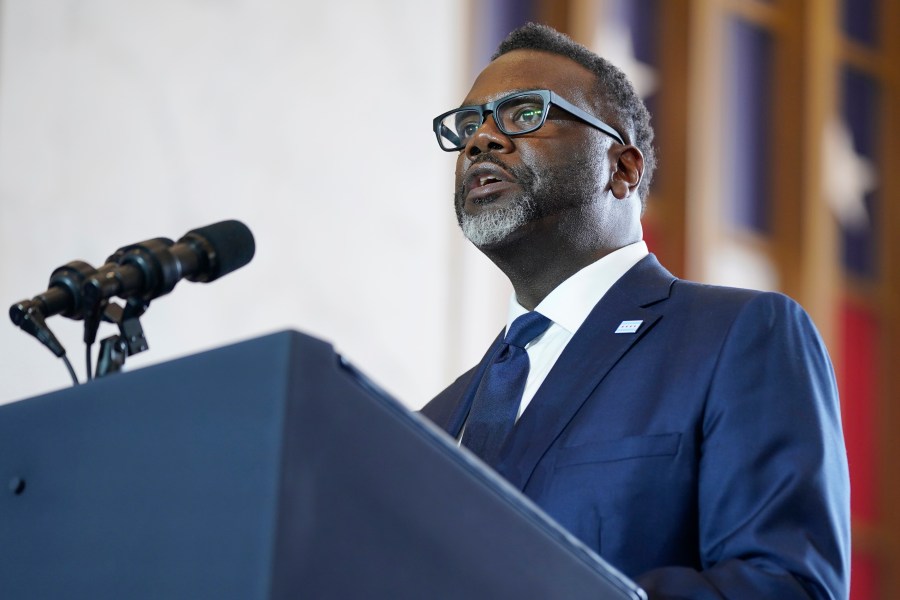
[{"x": 548, "y": 96}]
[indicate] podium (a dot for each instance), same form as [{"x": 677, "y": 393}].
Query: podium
[{"x": 265, "y": 469}]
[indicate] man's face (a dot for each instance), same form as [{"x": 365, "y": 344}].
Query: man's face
[{"x": 507, "y": 187}]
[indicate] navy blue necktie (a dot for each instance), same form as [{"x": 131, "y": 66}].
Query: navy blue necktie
[{"x": 499, "y": 394}]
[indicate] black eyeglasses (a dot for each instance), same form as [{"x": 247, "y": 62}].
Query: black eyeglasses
[{"x": 516, "y": 114}]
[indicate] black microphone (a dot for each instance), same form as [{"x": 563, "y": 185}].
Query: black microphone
[
  {"x": 151, "y": 268},
  {"x": 63, "y": 294}
]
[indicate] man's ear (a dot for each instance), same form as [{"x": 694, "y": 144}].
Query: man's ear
[{"x": 628, "y": 173}]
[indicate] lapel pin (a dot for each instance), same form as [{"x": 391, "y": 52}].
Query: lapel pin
[{"x": 628, "y": 326}]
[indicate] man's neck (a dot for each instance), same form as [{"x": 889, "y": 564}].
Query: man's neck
[
  {"x": 534, "y": 274},
  {"x": 544, "y": 253}
]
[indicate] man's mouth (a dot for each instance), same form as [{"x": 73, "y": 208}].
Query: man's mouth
[
  {"x": 485, "y": 180},
  {"x": 482, "y": 181}
]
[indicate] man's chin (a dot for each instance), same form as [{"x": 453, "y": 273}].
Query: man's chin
[
  {"x": 485, "y": 243},
  {"x": 494, "y": 228}
]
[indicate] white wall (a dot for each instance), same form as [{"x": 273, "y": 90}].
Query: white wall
[{"x": 309, "y": 121}]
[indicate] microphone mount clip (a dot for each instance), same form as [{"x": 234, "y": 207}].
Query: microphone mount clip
[{"x": 131, "y": 339}]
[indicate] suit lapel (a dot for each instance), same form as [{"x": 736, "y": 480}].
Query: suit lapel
[
  {"x": 450, "y": 408},
  {"x": 593, "y": 351}
]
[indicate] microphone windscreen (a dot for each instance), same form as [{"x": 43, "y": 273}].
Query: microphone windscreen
[{"x": 231, "y": 243}]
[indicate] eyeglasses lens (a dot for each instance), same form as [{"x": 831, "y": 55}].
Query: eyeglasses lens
[
  {"x": 522, "y": 114},
  {"x": 458, "y": 127}
]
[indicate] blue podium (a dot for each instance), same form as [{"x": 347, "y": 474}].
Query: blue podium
[{"x": 266, "y": 469}]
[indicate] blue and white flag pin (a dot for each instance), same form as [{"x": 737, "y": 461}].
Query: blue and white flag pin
[{"x": 628, "y": 326}]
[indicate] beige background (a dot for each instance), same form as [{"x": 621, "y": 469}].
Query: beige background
[{"x": 310, "y": 122}]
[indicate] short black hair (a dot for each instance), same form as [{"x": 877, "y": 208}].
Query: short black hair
[{"x": 627, "y": 109}]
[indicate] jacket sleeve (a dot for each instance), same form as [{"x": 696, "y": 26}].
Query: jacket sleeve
[{"x": 773, "y": 495}]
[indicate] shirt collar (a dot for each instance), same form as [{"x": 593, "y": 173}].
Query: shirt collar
[{"x": 570, "y": 303}]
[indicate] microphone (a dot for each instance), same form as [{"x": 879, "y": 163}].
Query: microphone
[
  {"x": 151, "y": 268},
  {"x": 63, "y": 294},
  {"x": 138, "y": 273}
]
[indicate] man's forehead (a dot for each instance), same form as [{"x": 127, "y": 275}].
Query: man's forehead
[{"x": 521, "y": 70}]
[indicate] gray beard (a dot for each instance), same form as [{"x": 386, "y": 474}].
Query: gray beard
[{"x": 491, "y": 227}]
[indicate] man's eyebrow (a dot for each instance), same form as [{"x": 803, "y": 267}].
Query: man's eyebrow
[{"x": 500, "y": 95}]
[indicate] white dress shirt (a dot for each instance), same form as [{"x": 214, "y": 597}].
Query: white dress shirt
[{"x": 568, "y": 306}]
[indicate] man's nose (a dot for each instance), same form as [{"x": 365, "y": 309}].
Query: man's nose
[{"x": 488, "y": 138}]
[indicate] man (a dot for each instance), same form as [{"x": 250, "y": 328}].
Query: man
[{"x": 689, "y": 434}]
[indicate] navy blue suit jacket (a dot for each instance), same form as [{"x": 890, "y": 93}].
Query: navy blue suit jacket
[{"x": 701, "y": 455}]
